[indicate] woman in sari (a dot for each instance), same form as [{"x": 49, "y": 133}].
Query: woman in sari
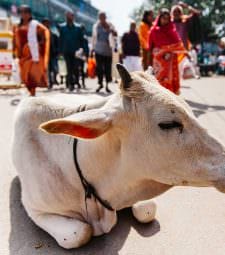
[
  {"x": 167, "y": 51},
  {"x": 32, "y": 49}
]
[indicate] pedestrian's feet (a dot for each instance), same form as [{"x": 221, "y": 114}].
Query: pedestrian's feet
[
  {"x": 32, "y": 92},
  {"x": 71, "y": 89},
  {"x": 108, "y": 90},
  {"x": 61, "y": 80},
  {"x": 78, "y": 86},
  {"x": 99, "y": 88},
  {"x": 83, "y": 85}
]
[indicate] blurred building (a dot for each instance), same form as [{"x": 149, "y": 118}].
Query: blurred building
[{"x": 55, "y": 10}]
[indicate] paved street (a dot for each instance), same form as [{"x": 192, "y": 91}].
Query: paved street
[{"x": 189, "y": 221}]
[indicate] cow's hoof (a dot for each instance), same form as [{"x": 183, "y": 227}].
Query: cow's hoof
[
  {"x": 77, "y": 238},
  {"x": 144, "y": 211}
]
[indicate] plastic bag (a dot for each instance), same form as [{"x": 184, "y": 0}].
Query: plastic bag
[
  {"x": 91, "y": 68},
  {"x": 188, "y": 70},
  {"x": 16, "y": 71},
  {"x": 62, "y": 66}
]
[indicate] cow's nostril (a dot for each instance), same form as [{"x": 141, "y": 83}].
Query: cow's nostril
[
  {"x": 185, "y": 183},
  {"x": 220, "y": 185}
]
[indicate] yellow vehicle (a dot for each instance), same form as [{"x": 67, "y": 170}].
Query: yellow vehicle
[
  {"x": 6, "y": 55},
  {"x": 6, "y": 46}
]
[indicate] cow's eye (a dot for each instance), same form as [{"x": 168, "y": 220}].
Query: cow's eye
[{"x": 171, "y": 125}]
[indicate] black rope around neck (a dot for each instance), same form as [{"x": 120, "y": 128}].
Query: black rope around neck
[{"x": 89, "y": 189}]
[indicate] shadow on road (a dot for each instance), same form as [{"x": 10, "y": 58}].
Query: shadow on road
[
  {"x": 185, "y": 87},
  {"x": 15, "y": 102},
  {"x": 199, "y": 108},
  {"x": 26, "y": 238},
  {"x": 86, "y": 92}
]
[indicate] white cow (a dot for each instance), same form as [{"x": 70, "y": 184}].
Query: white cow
[{"x": 132, "y": 146}]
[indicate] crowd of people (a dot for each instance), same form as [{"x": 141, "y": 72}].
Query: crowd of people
[{"x": 162, "y": 42}]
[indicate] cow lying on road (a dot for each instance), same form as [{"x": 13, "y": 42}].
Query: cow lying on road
[{"x": 131, "y": 147}]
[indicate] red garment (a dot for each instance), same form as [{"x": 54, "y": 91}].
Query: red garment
[
  {"x": 167, "y": 51},
  {"x": 165, "y": 64},
  {"x": 162, "y": 35}
]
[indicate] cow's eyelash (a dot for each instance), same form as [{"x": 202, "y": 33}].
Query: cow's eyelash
[{"x": 171, "y": 125}]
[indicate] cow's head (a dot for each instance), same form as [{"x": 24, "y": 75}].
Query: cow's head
[{"x": 158, "y": 132}]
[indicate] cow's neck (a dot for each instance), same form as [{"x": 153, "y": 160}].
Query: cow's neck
[{"x": 115, "y": 178}]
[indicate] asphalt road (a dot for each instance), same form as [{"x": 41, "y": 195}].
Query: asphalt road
[{"x": 189, "y": 221}]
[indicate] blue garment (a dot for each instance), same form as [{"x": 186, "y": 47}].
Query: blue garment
[
  {"x": 71, "y": 38},
  {"x": 102, "y": 46}
]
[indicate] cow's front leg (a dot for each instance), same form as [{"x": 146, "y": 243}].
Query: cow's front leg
[
  {"x": 144, "y": 211},
  {"x": 68, "y": 232}
]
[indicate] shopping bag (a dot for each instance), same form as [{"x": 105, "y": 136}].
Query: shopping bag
[
  {"x": 91, "y": 68},
  {"x": 188, "y": 70},
  {"x": 62, "y": 66}
]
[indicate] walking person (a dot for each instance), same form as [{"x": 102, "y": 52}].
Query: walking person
[
  {"x": 131, "y": 49},
  {"x": 53, "y": 55},
  {"x": 82, "y": 56},
  {"x": 186, "y": 23},
  {"x": 71, "y": 40},
  {"x": 32, "y": 48},
  {"x": 102, "y": 43},
  {"x": 167, "y": 50},
  {"x": 143, "y": 32}
]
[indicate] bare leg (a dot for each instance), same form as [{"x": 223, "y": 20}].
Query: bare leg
[{"x": 68, "y": 232}]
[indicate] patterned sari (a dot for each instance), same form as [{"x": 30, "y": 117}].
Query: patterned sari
[
  {"x": 166, "y": 60},
  {"x": 168, "y": 51}
]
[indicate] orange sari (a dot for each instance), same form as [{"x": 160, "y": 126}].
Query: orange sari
[
  {"x": 33, "y": 74},
  {"x": 166, "y": 60}
]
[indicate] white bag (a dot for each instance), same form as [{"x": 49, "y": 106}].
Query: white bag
[
  {"x": 62, "y": 66},
  {"x": 188, "y": 71},
  {"x": 16, "y": 71}
]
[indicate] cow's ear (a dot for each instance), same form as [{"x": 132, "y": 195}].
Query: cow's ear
[
  {"x": 87, "y": 125},
  {"x": 124, "y": 75}
]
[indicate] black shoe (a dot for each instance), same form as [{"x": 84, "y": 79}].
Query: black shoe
[
  {"x": 99, "y": 88},
  {"x": 71, "y": 88},
  {"x": 78, "y": 85},
  {"x": 83, "y": 84},
  {"x": 107, "y": 89}
]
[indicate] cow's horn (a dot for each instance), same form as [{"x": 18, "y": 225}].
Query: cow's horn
[{"x": 124, "y": 75}]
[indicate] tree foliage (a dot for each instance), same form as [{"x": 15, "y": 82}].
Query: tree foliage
[{"x": 212, "y": 18}]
